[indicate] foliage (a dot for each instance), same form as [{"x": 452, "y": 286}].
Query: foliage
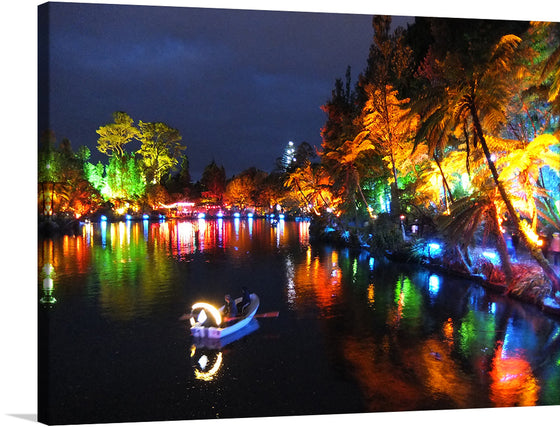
[
  {"x": 160, "y": 149},
  {"x": 386, "y": 236},
  {"x": 213, "y": 182},
  {"x": 389, "y": 126},
  {"x": 530, "y": 283},
  {"x": 313, "y": 187},
  {"x": 114, "y": 136},
  {"x": 341, "y": 111},
  {"x": 242, "y": 189},
  {"x": 350, "y": 164}
]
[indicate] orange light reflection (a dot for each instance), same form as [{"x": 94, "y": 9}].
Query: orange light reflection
[{"x": 513, "y": 382}]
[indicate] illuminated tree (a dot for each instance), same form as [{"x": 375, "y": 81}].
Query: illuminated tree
[
  {"x": 180, "y": 182},
  {"x": 270, "y": 191},
  {"x": 48, "y": 172},
  {"x": 350, "y": 165},
  {"x": 95, "y": 174},
  {"x": 520, "y": 172},
  {"x": 550, "y": 74},
  {"x": 160, "y": 149},
  {"x": 341, "y": 111},
  {"x": 239, "y": 191},
  {"x": 63, "y": 185},
  {"x": 114, "y": 136},
  {"x": 390, "y": 58},
  {"x": 311, "y": 185},
  {"x": 389, "y": 126},
  {"x": 156, "y": 195},
  {"x": 213, "y": 182},
  {"x": 473, "y": 87}
]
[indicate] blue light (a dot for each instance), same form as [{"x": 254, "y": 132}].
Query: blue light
[
  {"x": 433, "y": 285},
  {"x": 250, "y": 215},
  {"x": 281, "y": 216},
  {"x": 220, "y": 214},
  {"x": 434, "y": 249},
  {"x": 492, "y": 256},
  {"x": 371, "y": 263},
  {"x": 145, "y": 216},
  {"x": 103, "y": 218},
  {"x": 236, "y": 215},
  {"x": 128, "y": 217},
  {"x": 201, "y": 215}
]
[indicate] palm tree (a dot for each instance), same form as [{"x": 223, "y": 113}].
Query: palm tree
[
  {"x": 349, "y": 167},
  {"x": 551, "y": 69},
  {"x": 466, "y": 216},
  {"x": 521, "y": 173},
  {"x": 473, "y": 92},
  {"x": 313, "y": 186}
]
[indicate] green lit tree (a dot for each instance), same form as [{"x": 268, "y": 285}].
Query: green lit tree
[
  {"x": 124, "y": 179},
  {"x": 160, "y": 149},
  {"x": 47, "y": 172}
]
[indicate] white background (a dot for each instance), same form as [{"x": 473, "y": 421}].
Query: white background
[{"x": 18, "y": 257}]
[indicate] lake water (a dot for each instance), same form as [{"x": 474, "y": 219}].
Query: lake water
[{"x": 353, "y": 334}]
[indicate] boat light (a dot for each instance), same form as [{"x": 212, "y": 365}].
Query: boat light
[
  {"x": 206, "y": 308},
  {"x": 208, "y": 375}
]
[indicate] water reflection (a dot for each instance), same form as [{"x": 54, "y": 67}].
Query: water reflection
[
  {"x": 317, "y": 281},
  {"x": 419, "y": 341},
  {"x": 206, "y": 354},
  {"x": 513, "y": 382},
  {"x": 410, "y": 339}
]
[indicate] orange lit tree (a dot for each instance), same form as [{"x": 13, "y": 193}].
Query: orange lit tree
[
  {"x": 389, "y": 125},
  {"x": 476, "y": 78}
]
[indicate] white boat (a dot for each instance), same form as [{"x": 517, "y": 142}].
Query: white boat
[{"x": 201, "y": 313}]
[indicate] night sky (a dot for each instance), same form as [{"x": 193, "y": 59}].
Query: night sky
[{"x": 238, "y": 85}]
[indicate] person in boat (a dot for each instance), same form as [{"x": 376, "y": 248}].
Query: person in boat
[
  {"x": 230, "y": 309},
  {"x": 246, "y": 300}
]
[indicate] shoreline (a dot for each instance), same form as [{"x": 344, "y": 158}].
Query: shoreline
[{"x": 549, "y": 304}]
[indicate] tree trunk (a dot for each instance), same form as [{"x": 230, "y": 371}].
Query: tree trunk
[
  {"x": 501, "y": 246},
  {"x": 395, "y": 200},
  {"x": 364, "y": 199},
  {"x": 445, "y": 183},
  {"x": 535, "y": 251}
]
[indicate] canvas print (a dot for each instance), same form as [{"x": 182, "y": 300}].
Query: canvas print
[{"x": 249, "y": 213}]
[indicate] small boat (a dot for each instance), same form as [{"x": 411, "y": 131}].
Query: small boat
[{"x": 218, "y": 327}]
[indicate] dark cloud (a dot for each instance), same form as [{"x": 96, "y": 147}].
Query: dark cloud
[{"x": 237, "y": 84}]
